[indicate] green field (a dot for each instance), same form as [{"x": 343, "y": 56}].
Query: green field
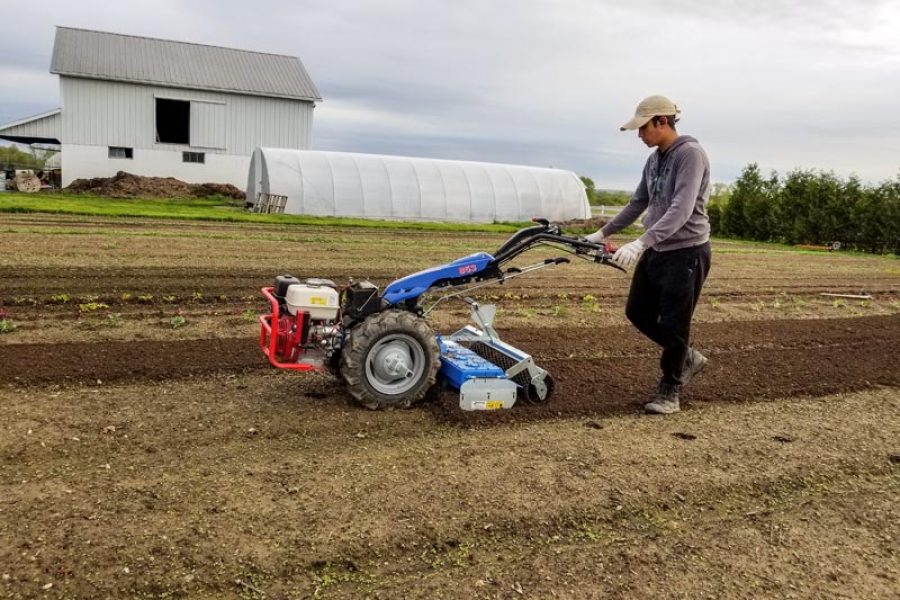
[{"x": 208, "y": 209}]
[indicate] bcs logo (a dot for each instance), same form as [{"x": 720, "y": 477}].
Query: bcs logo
[{"x": 467, "y": 270}]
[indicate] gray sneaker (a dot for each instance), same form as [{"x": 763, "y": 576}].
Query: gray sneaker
[
  {"x": 693, "y": 364},
  {"x": 665, "y": 402}
]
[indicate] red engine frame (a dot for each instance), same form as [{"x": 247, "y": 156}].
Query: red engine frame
[{"x": 269, "y": 334}]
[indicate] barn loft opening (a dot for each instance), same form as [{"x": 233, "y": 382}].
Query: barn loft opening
[{"x": 173, "y": 121}]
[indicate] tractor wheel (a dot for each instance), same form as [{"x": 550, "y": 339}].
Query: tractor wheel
[{"x": 390, "y": 360}]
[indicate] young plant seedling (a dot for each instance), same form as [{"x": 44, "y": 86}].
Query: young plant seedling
[{"x": 88, "y": 307}]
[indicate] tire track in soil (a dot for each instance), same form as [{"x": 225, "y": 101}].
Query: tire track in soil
[
  {"x": 600, "y": 372},
  {"x": 113, "y": 362}
]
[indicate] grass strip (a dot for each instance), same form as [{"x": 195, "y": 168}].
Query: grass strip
[{"x": 212, "y": 209}]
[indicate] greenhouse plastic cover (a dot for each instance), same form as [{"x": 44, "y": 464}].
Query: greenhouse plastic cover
[{"x": 423, "y": 189}]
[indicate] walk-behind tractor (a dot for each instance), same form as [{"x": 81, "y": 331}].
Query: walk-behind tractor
[{"x": 382, "y": 346}]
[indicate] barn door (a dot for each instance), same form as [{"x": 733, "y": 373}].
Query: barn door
[{"x": 207, "y": 124}]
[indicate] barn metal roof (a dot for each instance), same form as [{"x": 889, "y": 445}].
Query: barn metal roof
[
  {"x": 117, "y": 57},
  {"x": 44, "y": 127}
]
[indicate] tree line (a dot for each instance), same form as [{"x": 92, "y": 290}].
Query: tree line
[
  {"x": 808, "y": 207},
  {"x": 805, "y": 207},
  {"x": 13, "y": 158},
  {"x": 604, "y": 197}
]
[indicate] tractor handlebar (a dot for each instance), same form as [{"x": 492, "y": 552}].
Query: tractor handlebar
[{"x": 547, "y": 233}]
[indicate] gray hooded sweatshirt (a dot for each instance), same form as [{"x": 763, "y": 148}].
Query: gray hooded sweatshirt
[{"x": 674, "y": 190}]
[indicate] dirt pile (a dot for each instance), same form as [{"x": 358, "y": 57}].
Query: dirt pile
[{"x": 127, "y": 185}]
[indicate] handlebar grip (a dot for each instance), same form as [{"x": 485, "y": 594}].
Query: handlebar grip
[{"x": 606, "y": 259}]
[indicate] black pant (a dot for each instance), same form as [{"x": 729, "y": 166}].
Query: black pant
[{"x": 664, "y": 292}]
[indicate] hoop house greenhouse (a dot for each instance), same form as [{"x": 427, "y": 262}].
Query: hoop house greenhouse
[{"x": 419, "y": 189}]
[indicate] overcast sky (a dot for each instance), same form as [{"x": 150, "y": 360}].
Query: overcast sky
[{"x": 786, "y": 84}]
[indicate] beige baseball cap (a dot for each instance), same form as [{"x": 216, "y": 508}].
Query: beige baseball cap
[{"x": 652, "y": 106}]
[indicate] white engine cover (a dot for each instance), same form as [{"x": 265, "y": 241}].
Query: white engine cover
[{"x": 320, "y": 301}]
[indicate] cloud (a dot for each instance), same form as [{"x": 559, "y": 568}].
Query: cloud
[
  {"x": 784, "y": 84},
  {"x": 30, "y": 92}
]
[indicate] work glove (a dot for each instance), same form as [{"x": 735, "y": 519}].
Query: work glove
[
  {"x": 596, "y": 237},
  {"x": 629, "y": 254}
]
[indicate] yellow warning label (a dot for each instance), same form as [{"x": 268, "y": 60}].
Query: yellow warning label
[
  {"x": 318, "y": 300},
  {"x": 493, "y": 404}
]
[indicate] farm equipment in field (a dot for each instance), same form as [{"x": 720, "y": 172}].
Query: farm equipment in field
[{"x": 382, "y": 345}]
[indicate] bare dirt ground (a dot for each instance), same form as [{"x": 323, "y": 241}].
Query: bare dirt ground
[{"x": 144, "y": 456}]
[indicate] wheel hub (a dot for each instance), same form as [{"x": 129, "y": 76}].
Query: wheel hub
[
  {"x": 395, "y": 364},
  {"x": 392, "y": 362}
]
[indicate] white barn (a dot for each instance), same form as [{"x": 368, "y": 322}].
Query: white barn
[
  {"x": 421, "y": 189},
  {"x": 168, "y": 109}
]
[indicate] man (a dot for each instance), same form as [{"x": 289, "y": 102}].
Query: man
[{"x": 672, "y": 256}]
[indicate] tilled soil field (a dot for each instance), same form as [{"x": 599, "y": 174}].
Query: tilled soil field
[
  {"x": 749, "y": 361},
  {"x": 148, "y": 449}
]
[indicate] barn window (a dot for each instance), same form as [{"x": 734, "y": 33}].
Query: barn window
[
  {"x": 119, "y": 152},
  {"x": 173, "y": 121},
  {"x": 193, "y": 157}
]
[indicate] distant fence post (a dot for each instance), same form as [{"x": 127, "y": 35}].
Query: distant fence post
[{"x": 606, "y": 211}]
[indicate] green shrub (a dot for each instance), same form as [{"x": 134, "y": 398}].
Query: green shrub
[{"x": 810, "y": 207}]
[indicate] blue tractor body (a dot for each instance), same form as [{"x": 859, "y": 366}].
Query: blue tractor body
[{"x": 413, "y": 286}]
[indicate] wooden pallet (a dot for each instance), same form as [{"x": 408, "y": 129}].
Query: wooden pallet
[{"x": 269, "y": 203}]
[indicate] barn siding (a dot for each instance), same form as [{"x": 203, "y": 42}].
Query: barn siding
[
  {"x": 106, "y": 113},
  {"x": 48, "y": 126}
]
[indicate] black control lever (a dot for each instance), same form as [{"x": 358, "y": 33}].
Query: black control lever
[
  {"x": 606, "y": 259},
  {"x": 602, "y": 253}
]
